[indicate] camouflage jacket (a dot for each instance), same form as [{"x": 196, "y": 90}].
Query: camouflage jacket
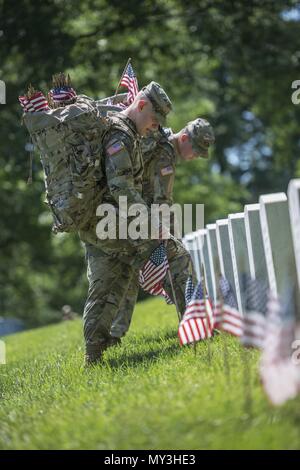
[
  {"x": 160, "y": 161},
  {"x": 123, "y": 170},
  {"x": 123, "y": 163}
]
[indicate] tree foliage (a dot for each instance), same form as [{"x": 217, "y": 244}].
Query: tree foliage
[{"x": 231, "y": 62}]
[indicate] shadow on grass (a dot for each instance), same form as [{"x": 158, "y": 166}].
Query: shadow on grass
[
  {"x": 155, "y": 337},
  {"x": 159, "y": 349},
  {"x": 143, "y": 358}
]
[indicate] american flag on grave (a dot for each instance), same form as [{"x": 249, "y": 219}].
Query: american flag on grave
[
  {"x": 197, "y": 321},
  {"x": 226, "y": 314},
  {"x": 217, "y": 313},
  {"x": 152, "y": 276},
  {"x": 254, "y": 320},
  {"x": 280, "y": 376},
  {"x": 129, "y": 80},
  {"x": 36, "y": 102}
]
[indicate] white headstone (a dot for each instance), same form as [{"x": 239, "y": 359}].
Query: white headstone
[
  {"x": 2, "y": 352},
  {"x": 191, "y": 244},
  {"x": 224, "y": 251},
  {"x": 203, "y": 244},
  {"x": 294, "y": 208},
  {"x": 213, "y": 256},
  {"x": 278, "y": 243},
  {"x": 2, "y": 92},
  {"x": 240, "y": 262},
  {"x": 256, "y": 253}
]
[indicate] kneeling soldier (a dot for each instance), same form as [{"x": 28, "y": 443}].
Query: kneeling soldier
[{"x": 166, "y": 150}]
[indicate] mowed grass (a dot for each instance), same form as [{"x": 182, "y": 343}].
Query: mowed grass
[{"x": 148, "y": 394}]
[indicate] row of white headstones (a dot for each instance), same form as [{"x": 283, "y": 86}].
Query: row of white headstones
[{"x": 263, "y": 242}]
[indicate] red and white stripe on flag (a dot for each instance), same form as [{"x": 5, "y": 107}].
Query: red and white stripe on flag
[
  {"x": 197, "y": 323},
  {"x": 129, "y": 80},
  {"x": 232, "y": 321},
  {"x": 228, "y": 319},
  {"x": 36, "y": 103},
  {"x": 254, "y": 326},
  {"x": 159, "y": 290},
  {"x": 26, "y": 105},
  {"x": 62, "y": 94},
  {"x": 217, "y": 314},
  {"x": 151, "y": 277},
  {"x": 153, "y": 274}
]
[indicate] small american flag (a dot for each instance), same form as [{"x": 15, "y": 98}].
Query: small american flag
[
  {"x": 129, "y": 80},
  {"x": 152, "y": 275},
  {"x": 279, "y": 375},
  {"x": 37, "y": 102},
  {"x": 114, "y": 148},
  {"x": 62, "y": 94},
  {"x": 254, "y": 320},
  {"x": 189, "y": 290},
  {"x": 197, "y": 321},
  {"x": 226, "y": 314}
]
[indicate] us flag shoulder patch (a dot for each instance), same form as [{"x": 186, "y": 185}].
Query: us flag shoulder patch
[
  {"x": 167, "y": 170},
  {"x": 114, "y": 148}
]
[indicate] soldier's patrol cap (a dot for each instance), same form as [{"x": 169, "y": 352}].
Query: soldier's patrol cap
[
  {"x": 161, "y": 103},
  {"x": 201, "y": 134}
]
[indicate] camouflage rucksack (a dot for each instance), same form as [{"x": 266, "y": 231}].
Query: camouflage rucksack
[{"x": 70, "y": 141}]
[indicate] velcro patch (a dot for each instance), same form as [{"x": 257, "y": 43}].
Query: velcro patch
[
  {"x": 114, "y": 148},
  {"x": 167, "y": 170}
]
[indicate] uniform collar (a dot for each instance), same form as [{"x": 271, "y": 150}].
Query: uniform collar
[
  {"x": 174, "y": 143},
  {"x": 129, "y": 123}
]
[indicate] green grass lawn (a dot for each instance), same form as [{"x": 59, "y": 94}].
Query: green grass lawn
[{"x": 148, "y": 394}]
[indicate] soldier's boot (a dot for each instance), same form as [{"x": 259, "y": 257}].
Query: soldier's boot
[
  {"x": 94, "y": 354},
  {"x": 114, "y": 341}
]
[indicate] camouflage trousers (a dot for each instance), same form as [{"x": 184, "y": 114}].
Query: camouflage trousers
[
  {"x": 111, "y": 278},
  {"x": 180, "y": 268},
  {"x": 122, "y": 321}
]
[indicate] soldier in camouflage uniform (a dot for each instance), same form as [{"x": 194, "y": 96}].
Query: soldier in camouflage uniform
[
  {"x": 113, "y": 264},
  {"x": 161, "y": 155}
]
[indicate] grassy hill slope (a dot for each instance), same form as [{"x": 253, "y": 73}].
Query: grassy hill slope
[{"x": 149, "y": 394}]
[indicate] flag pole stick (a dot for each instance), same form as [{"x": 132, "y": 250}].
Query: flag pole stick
[
  {"x": 226, "y": 364},
  {"x": 247, "y": 382},
  {"x": 203, "y": 280},
  {"x": 195, "y": 343},
  {"x": 174, "y": 294},
  {"x": 225, "y": 352},
  {"x": 128, "y": 61},
  {"x": 246, "y": 363},
  {"x": 172, "y": 284}
]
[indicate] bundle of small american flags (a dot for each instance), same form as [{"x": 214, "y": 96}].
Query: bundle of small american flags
[
  {"x": 61, "y": 95},
  {"x": 129, "y": 80},
  {"x": 34, "y": 101},
  {"x": 152, "y": 276},
  {"x": 62, "y": 92},
  {"x": 197, "y": 322}
]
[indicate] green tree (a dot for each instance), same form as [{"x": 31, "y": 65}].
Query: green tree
[{"x": 231, "y": 62}]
